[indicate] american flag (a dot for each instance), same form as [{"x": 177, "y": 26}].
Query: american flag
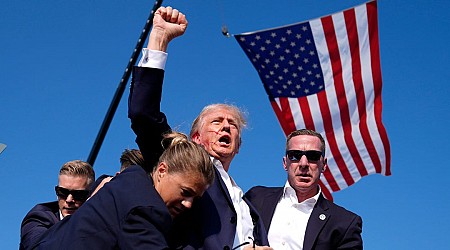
[{"x": 325, "y": 75}]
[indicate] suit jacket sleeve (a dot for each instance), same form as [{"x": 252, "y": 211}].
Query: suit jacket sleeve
[
  {"x": 352, "y": 236},
  {"x": 147, "y": 121},
  {"x": 34, "y": 225},
  {"x": 145, "y": 228}
]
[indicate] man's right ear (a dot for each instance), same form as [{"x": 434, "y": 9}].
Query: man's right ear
[
  {"x": 196, "y": 138},
  {"x": 284, "y": 164}
]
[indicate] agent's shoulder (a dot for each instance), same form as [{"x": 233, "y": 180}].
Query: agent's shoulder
[{"x": 338, "y": 209}]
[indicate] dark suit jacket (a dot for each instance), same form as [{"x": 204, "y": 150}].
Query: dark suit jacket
[
  {"x": 37, "y": 221},
  {"x": 97, "y": 182},
  {"x": 211, "y": 222},
  {"x": 127, "y": 213},
  {"x": 339, "y": 229}
]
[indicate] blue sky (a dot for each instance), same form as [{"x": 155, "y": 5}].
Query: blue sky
[{"x": 61, "y": 63}]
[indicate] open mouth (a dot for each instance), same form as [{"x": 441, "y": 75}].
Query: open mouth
[{"x": 225, "y": 139}]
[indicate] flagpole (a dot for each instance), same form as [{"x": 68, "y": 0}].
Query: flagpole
[{"x": 121, "y": 88}]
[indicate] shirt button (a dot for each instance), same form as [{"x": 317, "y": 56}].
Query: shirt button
[
  {"x": 233, "y": 220},
  {"x": 283, "y": 243}
]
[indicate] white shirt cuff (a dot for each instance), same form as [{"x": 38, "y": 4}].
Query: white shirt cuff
[{"x": 153, "y": 59}]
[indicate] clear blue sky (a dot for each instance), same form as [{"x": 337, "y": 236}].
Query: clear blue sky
[{"x": 61, "y": 62}]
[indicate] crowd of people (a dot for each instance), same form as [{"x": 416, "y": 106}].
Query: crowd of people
[{"x": 176, "y": 192}]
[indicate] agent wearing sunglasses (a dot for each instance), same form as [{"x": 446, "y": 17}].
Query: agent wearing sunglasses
[
  {"x": 297, "y": 216},
  {"x": 74, "y": 180}
]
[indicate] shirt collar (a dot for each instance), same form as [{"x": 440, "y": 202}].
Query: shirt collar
[
  {"x": 289, "y": 193},
  {"x": 219, "y": 167},
  {"x": 224, "y": 174}
]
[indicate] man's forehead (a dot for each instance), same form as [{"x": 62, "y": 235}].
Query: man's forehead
[
  {"x": 222, "y": 114},
  {"x": 71, "y": 178},
  {"x": 305, "y": 140}
]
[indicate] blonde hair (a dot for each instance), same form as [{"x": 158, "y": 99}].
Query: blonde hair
[
  {"x": 184, "y": 156},
  {"x": 78, "y": 168}
]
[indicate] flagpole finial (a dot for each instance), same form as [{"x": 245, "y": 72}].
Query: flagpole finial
[{"x": 225, "y": 31}]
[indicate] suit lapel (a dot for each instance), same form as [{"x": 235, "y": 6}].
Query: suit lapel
[
  {"x": 223, "y": 189},
  {"x": 269, "y": 204},
  {"x": 319, "y": 217}
]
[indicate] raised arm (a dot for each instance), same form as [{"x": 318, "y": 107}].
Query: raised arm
[{"x": 147, "y": 120}]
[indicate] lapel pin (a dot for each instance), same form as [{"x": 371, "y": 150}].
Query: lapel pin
[{"x": 322, "y": 217}]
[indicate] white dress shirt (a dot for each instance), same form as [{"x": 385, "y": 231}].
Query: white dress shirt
[
  {"x": 288, "y": 226},
  {"x": 153, "y": 59},
  {"x": 244, "y": 224}
]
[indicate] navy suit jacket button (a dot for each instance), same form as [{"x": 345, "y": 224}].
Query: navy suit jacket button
[
  {"x": 233, "y": 220},
  {"x": 226, "y": 248}
]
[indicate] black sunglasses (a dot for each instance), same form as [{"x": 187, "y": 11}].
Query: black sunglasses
[
  {"x": 78, "y": 195},
  {"x": 296, "y": 155}
]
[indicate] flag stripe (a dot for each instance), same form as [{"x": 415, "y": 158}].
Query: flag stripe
[
  {"x": 351, "y": 22},
  {"x": 334, "y": 156},
  {"x": 338, "y": 71},
  {"x": 360, "y": 132},
  {"x": 368, "y": 85},
  {"x": 284, "y": 115},
  {"x": 309, "y": 122},
  {"x": 376, "y": 76},
  {"x": 341, "y": 99}
]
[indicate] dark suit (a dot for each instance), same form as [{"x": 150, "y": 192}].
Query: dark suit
[
  {"x": 37, "y": 221},
  {"x": 127, "y": 213},
  {"x": 211, "y": 222},
  {"x": 97, "y": 182},
  {"x": 329, "y": 226}
]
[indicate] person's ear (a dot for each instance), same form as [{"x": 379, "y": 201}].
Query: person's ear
[
  {"x": 285, "y": 164},
  {"x": 196, "y": 138},
  {"x": 325, "y": 165},
  {"x": 161, "y": 170}
]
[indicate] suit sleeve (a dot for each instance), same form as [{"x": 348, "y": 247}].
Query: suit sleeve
[
  {"x": 147, "y": 121},
  {"x": 34, "y": 225},
  {"x": 145, "y": 228},
  {"x": 352, "y": 236},
  {"x": 253, "y": 196}
]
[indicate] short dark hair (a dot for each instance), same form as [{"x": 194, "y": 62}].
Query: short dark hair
[
  {"x": 131, "y": 157},
  {"x": 307, "y": 132}
]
